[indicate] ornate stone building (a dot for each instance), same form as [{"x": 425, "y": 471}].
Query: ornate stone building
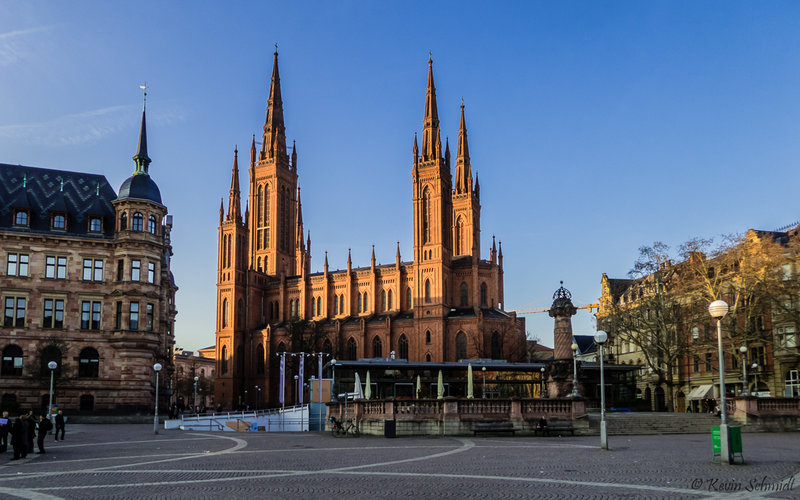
[
  {"x": 85, "y": 282},
  {"x": 445, "y": 304}
]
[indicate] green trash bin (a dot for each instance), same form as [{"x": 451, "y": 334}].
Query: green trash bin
[{"x": 734, "y": 441}]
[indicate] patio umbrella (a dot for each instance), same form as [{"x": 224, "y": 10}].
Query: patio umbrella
[
  {"x": 358, "y": 392},
  {"x": 368, "y": 390},
  {"x": 470, "y": 391},
  {"x": 440, "y": 387},
  {"x": 419, "y": 386}
]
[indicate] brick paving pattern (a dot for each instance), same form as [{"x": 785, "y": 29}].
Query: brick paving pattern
[{"x": 129, "y": 461}]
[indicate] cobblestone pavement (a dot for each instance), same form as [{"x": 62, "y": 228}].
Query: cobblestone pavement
[{"x": 129, "y": 461}]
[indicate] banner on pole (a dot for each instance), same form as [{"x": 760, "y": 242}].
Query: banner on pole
[
  {"x": 300, "y": 381},
  {"x": 283, "y": 378}
]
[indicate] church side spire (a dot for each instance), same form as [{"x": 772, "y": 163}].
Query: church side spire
[
  {"x": 463, "y": 168},
  {"x": 431, "y": 142},
  {"x": 274, "y": 145},
  {"x": 234, "y": 199}
]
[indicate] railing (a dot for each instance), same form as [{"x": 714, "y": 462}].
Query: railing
[
  {"x": 547, "y": 408},
  {"x": 417, "y": 408},
  {"x": 778, "y": 406},
  {"x": 484, "y": 406}
]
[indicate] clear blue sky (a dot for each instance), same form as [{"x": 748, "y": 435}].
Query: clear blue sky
[{"x": 596, "y": 127}]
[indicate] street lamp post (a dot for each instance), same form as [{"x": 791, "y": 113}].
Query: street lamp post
[
  {"x": 575, "y": 392},
  {"x": 718, "y": 309},
  {"x": 157, "y": 368},
  {"x": 194, "y": 401},
  {"x": 52, "y": 366},
  {"x": 755, "y": 378},
  {"x": 333, "y": 380},
  {"x": 483, "y": 370},
  {"x": 745, "y": 391},
  {"x": 600, "y": 338},
  {"x": 259, "y": 396},
  {"x": 541, "y": 391}
]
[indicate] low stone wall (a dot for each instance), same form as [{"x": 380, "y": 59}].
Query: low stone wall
[
  {"x": 766, "y": 414},
  {"x": 457, "y": 417}
]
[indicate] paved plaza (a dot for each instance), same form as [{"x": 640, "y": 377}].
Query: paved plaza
[{"x": 129, "y": 461}]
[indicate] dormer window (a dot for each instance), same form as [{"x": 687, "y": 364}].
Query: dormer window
[
  {"x": 95, "y": 224},
  {"x": 21, "y": 218},
  {"x": 59, "y": 221},
  {"x": 138, "y": 221}
]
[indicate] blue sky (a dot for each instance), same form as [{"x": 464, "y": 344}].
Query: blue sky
[{"x": 595, "y": 127}]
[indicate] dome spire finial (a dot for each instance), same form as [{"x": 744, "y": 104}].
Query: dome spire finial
[{"x": 141, "y": 159}]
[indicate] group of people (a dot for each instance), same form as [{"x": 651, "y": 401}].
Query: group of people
[{"x": 21, "y": 433}]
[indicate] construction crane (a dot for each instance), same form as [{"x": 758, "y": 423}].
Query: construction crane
[{"x": 589, "y": 307}]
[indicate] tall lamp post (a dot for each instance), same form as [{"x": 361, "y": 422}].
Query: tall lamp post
[
  {"x": 575, "y": 392},
  {"x": 259, "y": 396},
  {"x": 755, "y": 378},
  {"x": 194, "y": 401},
  {"x": 541, "y": 391},
  {"x": 157, "y": 368},
  {"x": 745, "y": 391},
  {"x": 718, "y": 309},
  {"x": 52, "y": 366},
  {"x": 333, "y": 381},
  {"x": 483, "y": 370},
  {"x": 600, "y": 338}
]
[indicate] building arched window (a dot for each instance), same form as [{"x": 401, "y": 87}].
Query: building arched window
[
  {"x": 224, "y": 313},
  {"x": 483, "y": 294},
  {"x": 428, "y": 357},
  {"x": 266, "y": 220},
  {"x": 89, "y": 363},
  {"x": 497, "y": 346},
  {"x": 366, "y": 302},
  {"x": 461, "y": 346},
  {"x": 21, "y": 218},
  {"x": 335, "y": 305},
  {"x": 123, "y": 221},
  {"x": 383, "y": 300},
  {"x": 377, "y": 347},
  {"x": 151, "y": 224},
  {"x": 223, "y": 361},
  {"x": 390, "y": 300},
  {"x": 319, "y": 305},
  {"x": 427, "y": 337},
  {"x": 426, "y": 215},
  {"x": 460, "y": 246},
  {"x": 427, "y": 290},
  {"x": 260, "y": 208},
  {"x": 409, "y": 299},
  {"x": 464, "y": 295},
  {"x": 360, "y": 303},
  {"x": 12, "y": 361},
  {"x": 138, "y": 221},
  {"x": 50, "y": 353},
  {"x": 352, "y": 352},
  {"x": 402, "y": 347},
  {"x": 341, "y": 304},
  {"x": 260, "y": 359}
]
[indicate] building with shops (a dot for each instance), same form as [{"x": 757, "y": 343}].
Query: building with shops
[
  {"x": 758, "y": 278},
  {"x": 86, "y": 283},
  {"x": 443, "y": 305}
]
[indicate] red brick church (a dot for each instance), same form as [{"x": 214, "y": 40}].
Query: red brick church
[{"x": 445, "y": 304}]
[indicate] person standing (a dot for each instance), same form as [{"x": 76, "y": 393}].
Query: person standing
[
  {"x": 60, "y": 424},
  {"x": 30, "y": 422},
  {"x": 5, "y": 427},
  {"x": 44, "y": 428},
  {"x": 19, "y": 438}
]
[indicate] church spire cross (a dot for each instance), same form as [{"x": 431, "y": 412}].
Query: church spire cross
[{"x": 274, "y": 144}]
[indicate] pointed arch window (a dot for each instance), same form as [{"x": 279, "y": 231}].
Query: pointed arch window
[
  {"x": 138, "y": 221},
  {"x": 426, "y": 215},
  {"x": 335, "y": 305},
  {"x": 383, "y": 300},
  {"x": 360, "y": 303},
  {"x": 390, "y": 300},
  {"x": 460, "y": 244},
  {"x": 377, "y": 347},
  {"x": 319, "y": 305},
  {"x": 352, "y": 351},
  {"x": 427, "y": 337},
  {"x": 402, "y": 347},
  {"x": 464, "y": 295},
  {"x": 427, "y": 290},
  {"x": 341, "y": 304},
  {"x": 260, "y": 205},
  {"x": 224, "y": 313},
  {"x": 461, "y": 346},
  {"x": 409, "y": 299},
  {"x": 428, "y": 357},
  {"x": 483, "y": 295},
  {"x": 366, "y": 302},
  {"x": 497, "y": 347},
  {"x": 260, "y": 359}
]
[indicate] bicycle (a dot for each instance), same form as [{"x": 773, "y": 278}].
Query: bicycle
[{"x": 342, "y": 428}]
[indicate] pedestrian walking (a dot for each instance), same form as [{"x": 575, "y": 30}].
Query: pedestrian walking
[
  {"x": 19, "y": 438},
  {"x": 44, "y": 428},
  {"x": 5, "y": 427},
  {"x": 60, "y": 424}
]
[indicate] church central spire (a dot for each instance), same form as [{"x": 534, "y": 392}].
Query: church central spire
[
  {"x": 234, "y": 199},
  {"x": 431, "y": 142},
  {"x": 274, "y": 144}
]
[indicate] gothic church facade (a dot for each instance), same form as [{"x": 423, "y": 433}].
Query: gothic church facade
[{"x": 444, "y": 305}]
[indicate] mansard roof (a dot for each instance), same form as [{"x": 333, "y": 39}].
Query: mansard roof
[{"x": 43, "y": 191}]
